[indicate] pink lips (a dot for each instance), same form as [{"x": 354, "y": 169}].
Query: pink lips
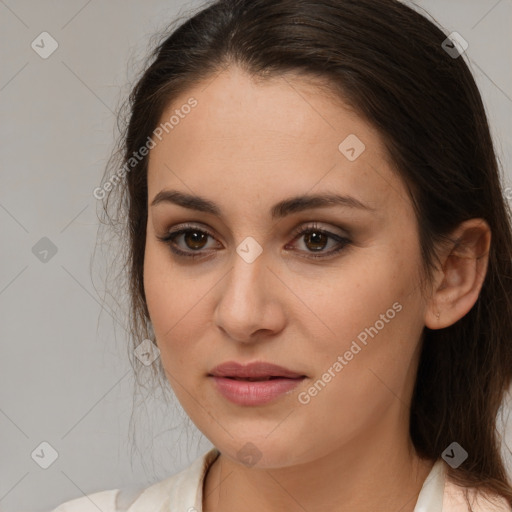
[{"x": 254, "y": 384}]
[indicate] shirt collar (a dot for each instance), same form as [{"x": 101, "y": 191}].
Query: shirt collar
[{"x": 431, "y": 494}]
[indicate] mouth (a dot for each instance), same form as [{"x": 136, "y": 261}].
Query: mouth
[
  {"x": 255, "y": 391},
  {"x": 254, "y": 384},
  {"x": 254, "y": 372},
  {"x": 261, "y": 379}
]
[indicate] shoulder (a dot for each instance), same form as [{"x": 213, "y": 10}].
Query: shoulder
[
  {"x": 104, "y": 501},
  {"x": 181, "y": 489},
  {"x": 120, "y": 500},
  {"x": 113, "y": 500},
  {"x": 455, "y": 500}
]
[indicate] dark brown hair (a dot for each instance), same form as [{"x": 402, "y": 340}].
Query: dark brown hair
[{"x": 386, "y": 61}]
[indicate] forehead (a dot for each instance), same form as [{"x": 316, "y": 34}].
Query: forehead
[{"x": 281, "y": 136}]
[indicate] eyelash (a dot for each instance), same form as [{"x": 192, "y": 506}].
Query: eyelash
[{"x": 169, "y": 238}]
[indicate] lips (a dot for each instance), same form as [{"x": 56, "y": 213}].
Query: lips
[
  {"x": 255, "y": 384},
  {"x": 258, "y": 371}
]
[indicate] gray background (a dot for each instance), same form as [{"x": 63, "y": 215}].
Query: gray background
[{"x": 64, "y": 377}]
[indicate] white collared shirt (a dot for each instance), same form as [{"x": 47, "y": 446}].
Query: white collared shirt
[{"x": 183, "y": 492}]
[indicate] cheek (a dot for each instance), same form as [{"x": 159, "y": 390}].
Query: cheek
[
  {"x": 371, "y": 313},
  {"x": 161, "y": 297},
  {"x": 156, "y": 289},
  {"x": 355, "y": 297},
  {"x": 176, "y": 305},
  {"x": 374, "y": 373}
]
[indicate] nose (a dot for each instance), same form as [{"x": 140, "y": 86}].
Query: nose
[{"x": 250, "y": 305}]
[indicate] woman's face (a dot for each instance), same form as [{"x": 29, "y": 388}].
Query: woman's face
[{"x": 339, "y": 305}]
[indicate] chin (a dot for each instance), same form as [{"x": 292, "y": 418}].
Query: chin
[{"x": 261, "y": 453}]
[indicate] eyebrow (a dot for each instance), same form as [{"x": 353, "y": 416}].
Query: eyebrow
[{"x": 279, "y": 210}]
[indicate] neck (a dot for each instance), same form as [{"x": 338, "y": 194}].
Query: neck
[{"x": 373, "y": 473}]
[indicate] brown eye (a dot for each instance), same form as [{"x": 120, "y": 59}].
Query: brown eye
[
  {"x": 316, "y": 240},
  {"x": 187, "y": 241},
  {"x": 195, "y": 239},
  {"x": 191, "y": 242}
]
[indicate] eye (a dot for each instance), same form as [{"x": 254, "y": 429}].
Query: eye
[
  {"x": 316, "y": 240},
  {"x": 196, "y": 239}
]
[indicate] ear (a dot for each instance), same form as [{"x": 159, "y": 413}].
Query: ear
[{"x": 458, "y": 282}]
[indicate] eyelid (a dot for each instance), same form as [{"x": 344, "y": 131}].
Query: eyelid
[
  {"x": 296, "y": 231},
  {"x": 314, "y": 225},
  {"x": 342, "y": 240},
  {"x": 180, "y": 229}
]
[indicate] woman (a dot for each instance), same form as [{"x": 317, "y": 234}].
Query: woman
[{"x": 320, "y": 249}]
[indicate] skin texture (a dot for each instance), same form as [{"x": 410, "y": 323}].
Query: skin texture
[{"x": 246, "y": 146}]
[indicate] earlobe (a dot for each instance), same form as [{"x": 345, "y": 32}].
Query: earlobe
[{"x": 459, "y": 281}]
